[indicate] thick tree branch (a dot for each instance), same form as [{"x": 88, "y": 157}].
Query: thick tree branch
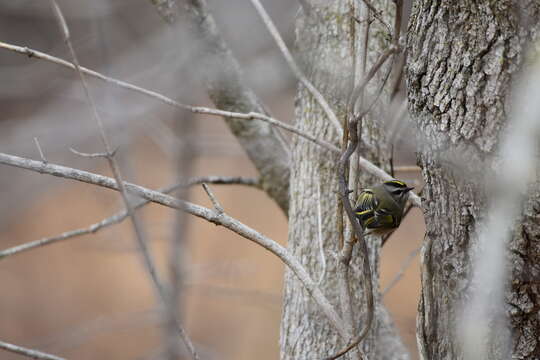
[{"x": 227, "y": 90}]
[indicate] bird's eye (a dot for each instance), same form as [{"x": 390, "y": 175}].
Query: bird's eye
[{"x": 397, "y": 191}]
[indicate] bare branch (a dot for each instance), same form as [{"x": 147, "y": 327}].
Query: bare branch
[
  {"x": 268, "y": 119},
  {"x": 404, "y": 266},
  {"x": 345, "y": 255},
  {"x": 377, "y": 15},
  {"x": 213, "y": 199},
  {"x": 111, "y": 220},
  {"x": 93, "y": 155},
  {"x": 41, "y": 155},
  {"x": 196, "y": 210},
  {"x": 295, "y": 69},
  {"x": 224, "y": 180},
  {"x": 360, "y": 88},
  {"x": 363, "y": 163},
  {"x": 169, "y": 101},
  {"x": 122, "y": 215},
  {"x": 139, "y": 234},
  {"x": 380, "y": 90},
  {"x": 346, "y": 251},
  {"x": 30, "y": 353},
  {"x": 319, "y": 233},
  {"x": 227, "y": 90}
]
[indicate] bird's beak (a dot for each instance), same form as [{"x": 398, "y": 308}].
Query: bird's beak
[{"x": 409, "y": 188}]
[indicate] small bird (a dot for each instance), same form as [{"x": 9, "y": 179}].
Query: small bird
[{"x": 380, "y": 208}]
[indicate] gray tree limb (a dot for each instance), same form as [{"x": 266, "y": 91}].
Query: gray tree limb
[
  {"x": 227, "y": 90},
  {"x": 215, "y": 217},
  {"x": 29, "y": 353}
]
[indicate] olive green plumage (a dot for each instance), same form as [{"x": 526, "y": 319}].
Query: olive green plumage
[{"x": 379, "y": 209}]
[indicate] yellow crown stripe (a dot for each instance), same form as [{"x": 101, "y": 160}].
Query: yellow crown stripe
[{"x": 400, "y": 183}]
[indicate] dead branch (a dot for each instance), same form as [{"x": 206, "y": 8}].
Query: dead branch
[
  {"x": 363, "y": 163},
  {"x": 122, "y": 215},
  {"x": 113, "y": 164},
  {"x": 345, "y": 255},
  {"x": 207, "y": 214},
  {"x": 295, "y": 69},
  {"x": 30, "y": 353}
]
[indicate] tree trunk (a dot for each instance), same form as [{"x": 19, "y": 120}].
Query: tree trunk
[
  {"x": 324, "y": 43},
  {"x": 462, "y": 57}
]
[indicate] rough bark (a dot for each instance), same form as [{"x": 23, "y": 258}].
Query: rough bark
[
  {"x": 324, "y": 44},
  {"x": 462, "y": 57}
]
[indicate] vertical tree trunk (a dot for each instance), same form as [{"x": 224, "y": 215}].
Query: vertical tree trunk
[
  {"x": 324, "y": 43},
  {"x": 462, "y": 56}
]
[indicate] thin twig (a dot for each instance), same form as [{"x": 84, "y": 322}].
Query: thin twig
[
  {"x": 295, "y": 69},
  {"x": 398, "y": 78},
  {"x": 319, "y": 233},
  {"x": 92, "y": 155},
  {"x": 185, "y": 156},
  {"x": 213, "y": 199},
  {"x": 363, "y": 163},
  {"x": 139, "y": 233},
  {"x": 345, "y": 255},
  {"x": 397, "y": 20},
  {"x": 404, "y": 266},
  {"x": 196, "y": 210},
  {"x": 195, "y": 109},
  {"x": 268, "y": 119},
  {"x": 346, "y": 237},
  {"x": 380, "y": 62},
  {"x": 122, "y": 215},
  {"x": 377, "y": 15},
  {"x": 41, "y": 155},
  {"x": 379, "y": 90},
  {"x": 354, "y": 140},
  {"x": 392, "y": 170},
  {"x": 224, "y": 180},
  {"x": 30, "y": 353}
]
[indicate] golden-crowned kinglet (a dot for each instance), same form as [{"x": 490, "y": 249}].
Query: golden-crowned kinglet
[{"x": 380, "y": 208}]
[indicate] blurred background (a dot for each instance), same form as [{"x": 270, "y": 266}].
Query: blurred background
[{"x": 90, "y": 297}]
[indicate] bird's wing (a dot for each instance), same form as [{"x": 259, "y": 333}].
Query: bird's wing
[
  {"x": 383, "y": 219},
  {"x": 365, "y": 207}
]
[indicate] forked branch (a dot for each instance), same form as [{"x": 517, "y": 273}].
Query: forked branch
[{"x": 210, "y": 215}]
